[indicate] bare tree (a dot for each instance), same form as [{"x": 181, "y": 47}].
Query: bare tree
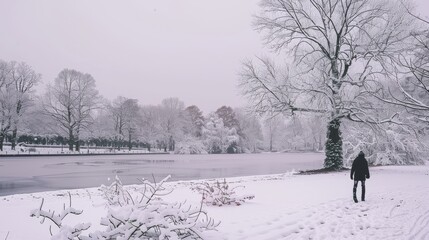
[
  {"x": 149, "y": 128},
  {"x": 251, "y": 130},
  {"x": 70, "y": 101},
  {"x": 273, "y": 125},
  {"x": 302, "y": 132},
  {"x": 24, "y": 79},
  {"x": 118, "y": 114},
  {"x": 411, "y": 90},
  {"x": 132, "y": 119},
  {"x": 6, "y": 100},
  {"x": 172, "y": 121},
  {"x": 339, "y": 48}
]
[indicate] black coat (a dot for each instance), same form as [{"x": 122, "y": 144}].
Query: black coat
[{"x": 360, "y": 169}]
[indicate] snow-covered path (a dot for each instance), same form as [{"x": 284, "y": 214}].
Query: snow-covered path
[
  {"x": 405, "y": 216},
  {"x": 285, "y": 207},
  {"x": 321, "y": 207}
]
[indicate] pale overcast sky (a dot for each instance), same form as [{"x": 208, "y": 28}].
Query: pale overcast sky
[{"x": 144, "y": 49}]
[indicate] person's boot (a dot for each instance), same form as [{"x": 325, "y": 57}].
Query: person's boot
[
  {"x": 363, "y": 193},
  {"x": 354, "y": 195}
]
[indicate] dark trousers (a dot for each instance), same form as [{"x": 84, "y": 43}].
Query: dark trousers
[{"x": 363, "y": 189}]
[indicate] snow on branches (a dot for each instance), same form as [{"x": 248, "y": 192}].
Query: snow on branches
[
  {"x": 115, "y": 194},
  {"x": 65, "y": 231},
  {"x": 138, "y": 214},
  {"x": 220, "y": 193},
  {"x": 394, "y": 144},
  {"x": 190, "y": 145},
  {"x": 218, "y": 137}
]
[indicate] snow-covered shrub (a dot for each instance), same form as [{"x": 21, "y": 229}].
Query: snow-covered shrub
[
  {"x": 141, "y": 214},
  {"x": 64, "y": 231},
  {"x": 220, "y": 193},
  {"x": 233, "y": 148},
  {"x": 155, "y": 220},
  {"x": 115, "y": 194},
  {"x": 190, "y": 145},
  {"x": 148, "y": 216},
  {"x": 393, "y": 145}
]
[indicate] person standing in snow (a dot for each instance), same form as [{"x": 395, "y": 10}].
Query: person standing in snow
[{"x": 361, "y": 173}]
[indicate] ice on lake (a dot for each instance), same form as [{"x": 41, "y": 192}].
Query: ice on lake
[{"x": 34, "y": 174}]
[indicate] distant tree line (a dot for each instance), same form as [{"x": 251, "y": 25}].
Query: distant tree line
[{"x": 72, "y": 113}]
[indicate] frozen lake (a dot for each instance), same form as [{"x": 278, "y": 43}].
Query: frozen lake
[{"x": 34, "y": 174}]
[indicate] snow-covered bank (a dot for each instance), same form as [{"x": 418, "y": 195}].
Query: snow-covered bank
[
  {"x": 58, "y": 150},
  {"x": 285, "y": 207}
]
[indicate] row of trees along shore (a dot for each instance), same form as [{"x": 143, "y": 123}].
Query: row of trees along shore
[
  {"x": 71, "y": 112},
  {"x": 360, "y": 67}
]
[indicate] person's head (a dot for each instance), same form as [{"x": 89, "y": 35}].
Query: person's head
[{"x": 361, "y": 154}]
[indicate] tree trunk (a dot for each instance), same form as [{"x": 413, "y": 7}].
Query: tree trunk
[
  {"x": 15, "y": 130},
  {"x": 71, "y": 139},
  {"x": 129, "y": 141},
  {"x": 1, "y": 141},
  {"x": 77, "y": 141},
  {"x": 170, "y": 143},
  {"x": 334, "y": 146},
  {"x": 13, "y": 140},
  {"x": 77, "y": 145}
]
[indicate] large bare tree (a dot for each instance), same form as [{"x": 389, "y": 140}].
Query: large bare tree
[
  {"x": 6, "y": 100},
  {"x": 70, "y": 101},
  {"x": 151, "y": 130},
  {"x": 24, "y": 79},
  {"x": 118, "y": 114},
  {"x": 126, "y": 116},
  {"x": 338, "y": 49},
  {"x": 172, "y": 121}
]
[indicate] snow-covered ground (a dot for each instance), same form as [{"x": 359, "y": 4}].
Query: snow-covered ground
[{"x": 285, "y": 207}]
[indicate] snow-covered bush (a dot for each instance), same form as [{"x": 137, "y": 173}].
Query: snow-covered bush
[
  {"x": 233, "y": 148},
  {"x": 394, "y": 145},
  {"x": 141, "y": 214},
  {"x": 220, "y": 193},
  {"x": 157, "y": 220},
  {"x": 115, "y": 194},
  {"x": 190, "y": 145},
  {"x": 148, "y": 216},
  {"x": 64, "y": 231}
]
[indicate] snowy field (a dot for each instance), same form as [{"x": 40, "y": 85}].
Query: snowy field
[{"x": 285, "y": 207}]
